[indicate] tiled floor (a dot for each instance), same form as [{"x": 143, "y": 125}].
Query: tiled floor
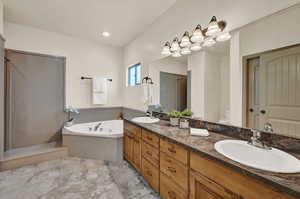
[{"x": 74, "y": 178}]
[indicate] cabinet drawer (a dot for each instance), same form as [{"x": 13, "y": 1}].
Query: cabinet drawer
[
  {"x": 150, "y": 138},
  {"x": 177, "y": 152},
  {"x": 150, "y": 153},
  {"x": 151, "y": 174},
  {"x": 170, "y": 190},
  {"x": 132, "y": 128},
  {"x": 175, "y": 170},
  {"x": 244, "y": 186}
]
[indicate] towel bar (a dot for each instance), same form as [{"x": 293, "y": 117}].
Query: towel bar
[{"x": 92, "y": 78}]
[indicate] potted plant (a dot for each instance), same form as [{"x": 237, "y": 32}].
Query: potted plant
[
  {"x": 187, "y": 113},
  {"x": 174, "y": 117}
]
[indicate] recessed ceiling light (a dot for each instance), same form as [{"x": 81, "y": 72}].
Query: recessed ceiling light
[{"x": 105, "y": 34}]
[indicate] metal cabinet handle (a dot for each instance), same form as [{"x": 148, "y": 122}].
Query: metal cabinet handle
[
  {"x": 172, "y": 150},
  {"x": 149, "y": 173},
  {"x": 172, "y": 194},
  {"x": 171, "y": 169}
]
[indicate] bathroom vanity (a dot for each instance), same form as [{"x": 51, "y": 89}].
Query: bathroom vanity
[{"x": 180, "y": 166}]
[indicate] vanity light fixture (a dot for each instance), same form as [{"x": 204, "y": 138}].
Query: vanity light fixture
[
  {"x": 166, "y": 49},
  {"x": 209, "y": 42},
  {"x": 197, "y": 39},
  {"x": 176, "y": 54},
  {"x": 197, "y": 35},
  {"x": 185, "y": 40},
  {"x": 105, "y": 34},
  {"x": 186, "y": 51},
  {"x": 223, "y": 37},
  {"x": 196, "y": 47},
  {"x": 175, "y": 45},
  {"x": 213, "y": 27}
]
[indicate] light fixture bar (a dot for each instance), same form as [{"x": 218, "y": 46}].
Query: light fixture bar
[{"x": 199, "y": 38}]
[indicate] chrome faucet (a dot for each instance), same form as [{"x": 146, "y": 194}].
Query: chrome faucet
[
  {"x": 97, "y": 126},
  {"x": 70, "y": 110},
  {"x": 268, "y": 128},
  {"x": 256, "y": 140}
]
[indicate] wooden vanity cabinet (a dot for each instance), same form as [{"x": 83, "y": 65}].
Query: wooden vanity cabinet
[
  {"x": 212, "y": 180},
  {"x": 178, "y": 173}
]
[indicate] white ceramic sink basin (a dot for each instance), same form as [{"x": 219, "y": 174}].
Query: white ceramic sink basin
[
  {"x": 147, "y": 120},
  {"x": 273, "y": 160}
]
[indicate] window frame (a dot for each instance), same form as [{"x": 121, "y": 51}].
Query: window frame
[{"x": 136, "y": 82}]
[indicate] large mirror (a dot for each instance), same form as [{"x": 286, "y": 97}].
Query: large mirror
[{"x": 201, "y": 82}]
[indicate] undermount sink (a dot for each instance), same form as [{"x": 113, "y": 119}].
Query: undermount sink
[
  {"x": 273, "y": 160},
  {"x": 147, "y": 120}
]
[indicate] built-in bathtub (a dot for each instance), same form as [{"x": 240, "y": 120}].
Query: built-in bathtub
[{"x": 105, "y": 143}]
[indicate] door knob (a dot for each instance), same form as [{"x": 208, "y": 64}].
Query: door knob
[
  {"x": 263, "y": 112},
  {"x": 251, "y": 109}
]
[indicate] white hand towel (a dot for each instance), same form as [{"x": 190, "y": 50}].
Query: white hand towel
[
  {"x": 99, "y": 84},
  {"x": 148, "y": 94},
  {"x": 199, "y": 132},
  {"x": 99, "y": 91}
]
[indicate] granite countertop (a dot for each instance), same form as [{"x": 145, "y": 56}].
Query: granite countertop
[{"x": 288, "y": 183}]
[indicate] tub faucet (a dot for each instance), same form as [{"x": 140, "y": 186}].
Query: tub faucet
[
  {"x": 71, "y": 110},
  {"x": 97, "y": 126}
]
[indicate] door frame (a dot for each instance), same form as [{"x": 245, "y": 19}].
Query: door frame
[
  {"x": 7, "y": 121},
  {"x": 244, "y": 76},
  {"x": 247, "y": 90},
  {"x": 177, "y": 74}
]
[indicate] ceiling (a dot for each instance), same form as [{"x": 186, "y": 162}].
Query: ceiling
[
  {"x": 87, "y": 19},
  {"x": 127, "y": 19}
]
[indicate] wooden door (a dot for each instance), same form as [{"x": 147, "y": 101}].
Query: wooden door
[
  {"x": 280, "y": 91},
  {"x": 137, "y": 153}
]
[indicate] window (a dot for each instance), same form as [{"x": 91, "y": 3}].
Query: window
[{"x": 134, "y": 75}]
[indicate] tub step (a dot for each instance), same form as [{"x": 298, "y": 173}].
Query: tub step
[{"x": 20, "y": 157}]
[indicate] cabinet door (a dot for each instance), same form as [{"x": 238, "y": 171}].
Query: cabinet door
[
  {"x": 137, "y": 153},
  {"x": 202, "y": 187},
  {"x": 128, "y": 148}
]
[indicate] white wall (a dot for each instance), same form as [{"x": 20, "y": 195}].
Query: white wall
[
  {"x": 279, "y": 30},
  {"x": 224, "y": 86},
  {"x": 167, "y": 65},
  {"x": 196, "y": 64},
  {"x": 210, "y": 85},
  {"x": 1, "y": 89},
  {"x": 1, "y": 17},
  {"x": 83, "y": 58}
]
